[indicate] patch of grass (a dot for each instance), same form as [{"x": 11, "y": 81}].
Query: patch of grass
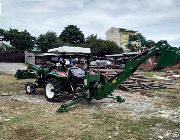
[
  {"x": 40, "y": 121},
  {"x": 177, "y": 71},
  {"x": 87, "y": 136},
  {"x": 171, "y": 96},
  {"x": 149, "y": 74},
  {"x": 26, "y": 132},
  {"x": 9, "y": 84},
  {"x": 110, "y": 124},
  {"x": 26, "y": 120}
]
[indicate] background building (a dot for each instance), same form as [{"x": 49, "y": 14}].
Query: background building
[
  {"x": 1, "y": 42},
  {"x": 120, "y": 36}
]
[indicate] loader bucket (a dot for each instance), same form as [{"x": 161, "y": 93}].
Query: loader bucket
[
  {"x": 168, "y": 57},
  {"x": 19, "y": 74},
  {"x": 24, "y": 74}
]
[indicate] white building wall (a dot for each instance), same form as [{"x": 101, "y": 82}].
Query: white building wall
[
  {"x": 120, "y": 38},
  {"x": 1, "y": 43},
  {"x": 29, "y": 58},
  {"x": 113, "y": 35}
]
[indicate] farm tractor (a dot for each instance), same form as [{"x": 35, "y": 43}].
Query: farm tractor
[
  {"x": 57, "y": 80},
  {"x": 88, "y": 84}
]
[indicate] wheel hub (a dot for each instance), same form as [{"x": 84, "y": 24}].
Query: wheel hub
[
  {"x": 28, "y": 88},
  {"x": 49, "y": 90}
]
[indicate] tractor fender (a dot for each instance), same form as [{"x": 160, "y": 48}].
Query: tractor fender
[{"x": 55, "y": 75}]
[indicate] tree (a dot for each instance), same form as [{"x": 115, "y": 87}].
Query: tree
[
  {"x": 140, "y": 38},
  {"x": 101, "y": 47},
  {"x": 2, "y": 32},
  {"x": 150, "y": 44},
  {"x": 132, "y": 47},
  {"x": 72, "y": 35},
  {"x": 7, "y": 48},
  {"x": 21, "y": 40},
  {"x": 91, "y": 38},
  {"x": 48, "y": 41}
]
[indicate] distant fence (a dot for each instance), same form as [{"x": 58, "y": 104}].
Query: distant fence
[{"x": 12, "y": 57}]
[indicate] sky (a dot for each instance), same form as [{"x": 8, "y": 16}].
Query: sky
[{"x": 155, "y": 19}]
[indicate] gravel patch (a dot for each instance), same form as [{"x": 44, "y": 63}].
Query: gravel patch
[
  {"x": 25, "y": 98},
  {"x": 142, "y": 106},
  {"x": 11, "y": 68},
  {"x": 135, "y": 105}
]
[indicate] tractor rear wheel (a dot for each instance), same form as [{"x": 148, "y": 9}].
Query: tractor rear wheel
[
  {"x": 52, "y": 89},
  {"x": 30, "y": 88}
]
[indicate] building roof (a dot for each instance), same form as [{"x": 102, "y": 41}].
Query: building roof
[
  {"x": 126, "y": 30},
  {"x": 123, "y": 54},
  {"x": 46, "y": 54},
  {"x": 69, "y": 49},
  {"x": 122, "y": 29},
  {"x": 1, "y": 38}
]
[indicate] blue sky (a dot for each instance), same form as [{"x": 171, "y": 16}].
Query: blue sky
[{"x": 155, "y": 19}]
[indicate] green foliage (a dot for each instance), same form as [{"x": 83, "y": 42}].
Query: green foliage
[
  {"x": 150, "y": 44},
  {"x": 132, "y": 47},
  {"x": 72, "y": 35},
  {"x": 2, "y": 31},
  {"x": 48, "y": 41},
  {"x": 21, "y": 40},
  {"x": 133, "y": 38},
  {"x": 101, "y": 47},
  {"x": 139, "y": 37},
  {"x": 7, "y": 48},
  {"x": 1, "y": 49}
]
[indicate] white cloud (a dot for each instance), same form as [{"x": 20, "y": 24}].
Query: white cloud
[
  {"x": 156, "y": 19},
  {"x": 0, "y": 9}
]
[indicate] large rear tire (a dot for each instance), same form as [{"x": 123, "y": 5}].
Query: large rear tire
[{"x": 51, "y": 90}]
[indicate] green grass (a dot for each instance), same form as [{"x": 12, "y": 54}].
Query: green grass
[
  {"x": 21, "y": 120},
  {"x": 149, "y": 74},
  {"x": 41, "y": 122},
  {"x": 171, "y": 94},
  {"x": 171, "y": 97},
  {"x": 177, "y": 71},
  {"x": 10, "y": 85}
]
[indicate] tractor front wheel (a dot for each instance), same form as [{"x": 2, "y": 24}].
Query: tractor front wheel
[
  {"x": 30, "y": 88},
  {"x": 51, "y": 90}
]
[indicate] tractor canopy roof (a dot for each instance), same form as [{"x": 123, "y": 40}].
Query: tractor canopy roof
[
  {"x": 47, "y": 54},
  {"x": 70, "y": 50}
]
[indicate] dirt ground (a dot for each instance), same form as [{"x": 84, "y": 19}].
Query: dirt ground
[
  {"x": 11, "y": 68},
  {"x": 147, "y": 114}
]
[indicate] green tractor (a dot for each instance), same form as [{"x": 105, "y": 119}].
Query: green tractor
[
  {"x": 86, "y": 84},
  {"x": 57, "y": 80}
]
